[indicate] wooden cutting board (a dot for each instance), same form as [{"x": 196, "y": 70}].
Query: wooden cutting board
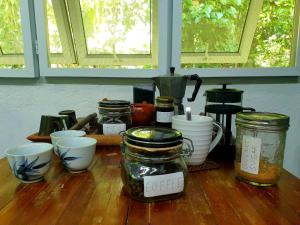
[{"x": 101, "y": 139}]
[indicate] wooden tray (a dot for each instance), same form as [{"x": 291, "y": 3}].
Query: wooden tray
[{"x": 101, "y": 139}]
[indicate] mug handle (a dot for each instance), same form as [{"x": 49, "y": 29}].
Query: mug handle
[{"x": 217, "y": 138}]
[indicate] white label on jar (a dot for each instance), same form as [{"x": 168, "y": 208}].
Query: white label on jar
[
  {"x": 164, "y": 117},
  {"x": 163, "y": 184},
  {"x": 113, "y": 128},
  {"x": 251, "y": 148}
]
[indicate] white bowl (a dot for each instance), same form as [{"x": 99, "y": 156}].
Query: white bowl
[
  {"x": 55, "y": 136},
  {"x": 188, "y": 127},
  {"x": 29, "y": 162},
  {"x": 76, "y": 153}
]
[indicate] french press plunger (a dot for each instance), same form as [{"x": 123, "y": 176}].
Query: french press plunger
[{"x": 222, "y": 104}]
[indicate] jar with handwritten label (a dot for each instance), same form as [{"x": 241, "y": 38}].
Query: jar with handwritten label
[
  {"x": 152, "y": 165},
  {"x": 114, "y": 116},
  {"x": 260, "y": 142},
  {"x": 164, "y": 111}
]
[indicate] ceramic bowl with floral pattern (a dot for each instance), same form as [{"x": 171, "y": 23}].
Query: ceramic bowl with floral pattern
[{"x": 29, "y": 162}]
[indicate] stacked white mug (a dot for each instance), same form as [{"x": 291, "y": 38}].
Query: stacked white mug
[{"x": 200, "y": 131}]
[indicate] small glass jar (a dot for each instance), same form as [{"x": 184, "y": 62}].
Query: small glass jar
[
  {"x": 260, "y": 142},
  {"x": 152, "y": 166},
  {"x": 114, "y": 116},
  {"x": 164, "y": 111}
]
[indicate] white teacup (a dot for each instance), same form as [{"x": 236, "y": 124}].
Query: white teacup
[
  {"x": 55, "y": 136},
  {"x": 200, "y": 131},
  {"x": 76, "y": 153},
  {"x": 29, "y": 162}
]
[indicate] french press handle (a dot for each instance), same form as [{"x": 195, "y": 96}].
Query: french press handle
[{"x": 197, "y": 86}]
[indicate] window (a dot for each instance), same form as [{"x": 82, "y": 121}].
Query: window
[
  {"x": 16, "y": 40},
  {"x": 101, "y": 37},
  {"x": 251, "y": 37},
  {"x": 143, "y": 38}
]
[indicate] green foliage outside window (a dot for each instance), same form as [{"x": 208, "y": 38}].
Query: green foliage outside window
[{"x": 221, "y": 20}]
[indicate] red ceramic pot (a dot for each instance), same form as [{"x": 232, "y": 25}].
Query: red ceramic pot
[{"x": 142, "y": 114}]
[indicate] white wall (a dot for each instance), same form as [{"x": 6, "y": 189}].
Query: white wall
[{"x": 23, "y": 105}]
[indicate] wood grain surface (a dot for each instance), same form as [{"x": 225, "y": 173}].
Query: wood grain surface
[{"x": 97, "y": 197}]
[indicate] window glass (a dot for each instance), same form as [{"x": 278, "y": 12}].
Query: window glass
[
  {"x": 117, "y": 27},
  {"x": 216, "y": 31},
  {"x": 11, "y": 38},
  {"x": 109, "y": 34},
  {"x": 213, "y": 26}
]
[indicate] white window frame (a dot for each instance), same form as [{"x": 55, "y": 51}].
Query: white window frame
[
  {"x": 65, "y": 34},
  {"x": 84, "y": 58},
  {"x": 164, "y": 53},
  {"x": 228, "y": 72},
  {"x": 30, "y": 57}
]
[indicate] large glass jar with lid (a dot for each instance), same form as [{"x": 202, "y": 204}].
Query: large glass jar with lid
[
  {"x": 152, "y": 165},
  {"x": 114, "y": 116},
  {"x": 260, "y": 143}
]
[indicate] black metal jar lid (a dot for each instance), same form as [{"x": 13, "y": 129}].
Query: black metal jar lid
[
  {"x": 113, "y": 103},
  {"x": 153, "y": 137},
  {"x": 224, "y": 95}
]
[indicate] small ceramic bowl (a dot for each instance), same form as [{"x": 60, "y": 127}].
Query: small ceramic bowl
[
  {"x": 76, "y": 153},
  {"x": 29, "y": 162},
  {"x": 55, "y": 136}
]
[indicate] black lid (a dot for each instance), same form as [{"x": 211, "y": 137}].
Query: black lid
[
  {"x": 114, "y": 103},
  {"x": 224, "y": 95},
  {"x": 157, "y": 137}
]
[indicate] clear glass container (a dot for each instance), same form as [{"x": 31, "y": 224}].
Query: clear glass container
[
  {"x": 164, "y": 111},
  {"x": 260, "y": 142},
  {"x": 152, "y": 166},
  {"x": 114, "y": 116}
]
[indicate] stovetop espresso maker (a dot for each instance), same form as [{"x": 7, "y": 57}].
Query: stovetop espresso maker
[{"x": 174, "y": 85}]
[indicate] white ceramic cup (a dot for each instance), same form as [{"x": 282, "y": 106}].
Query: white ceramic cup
[
  {"x": 29, "y": 162},
  {"x": 200, "y": 131},
  {"x": 76, "y": 153},
  {"x": 55, "y": 136}
]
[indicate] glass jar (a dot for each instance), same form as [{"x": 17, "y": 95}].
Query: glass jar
[
  {"x": 260, "y": 142},
  {"x": 152, "y": 166},
  {"x": 114, "y": 116},
  {"x": 164, "y": 111}
]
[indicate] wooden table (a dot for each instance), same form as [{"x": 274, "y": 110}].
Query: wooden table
[{"x": 97, "y": 197}]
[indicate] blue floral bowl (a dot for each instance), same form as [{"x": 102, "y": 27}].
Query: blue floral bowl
[
  {"x": 29, "y": 162},
  {"x": 76, "y": 153}
]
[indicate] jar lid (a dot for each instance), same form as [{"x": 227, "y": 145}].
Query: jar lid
[
  {"x": 153, "y": 137},
  {"x": 113, "y": 103},
  {"x": 165, "y": 99},
  {"x": 224, "y": 95},
  {"x": 264, "y": 120}
]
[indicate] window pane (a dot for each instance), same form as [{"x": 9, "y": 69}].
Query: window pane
[
  {"x": 54, "y": 40},
  {"x": 271, "y": 46},
  {"x": 117, "y": 27},
  {"x": 11, "y": 39},
  {"x": 213, "y": 26}
]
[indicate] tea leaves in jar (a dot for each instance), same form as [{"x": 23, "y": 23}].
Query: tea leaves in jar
[{"x": 153, "y": 181}]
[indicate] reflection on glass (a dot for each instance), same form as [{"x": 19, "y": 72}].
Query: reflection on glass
[
  {"x": 11, "y": 39},
  {"x": 117, "y": 26},
  {"x": 213, "y": 26},
  {"x": 53, "y": 35}
]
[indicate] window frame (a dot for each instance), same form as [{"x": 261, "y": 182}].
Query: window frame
[
  {"x": 230, "y": 72},
  {"x": 164, "y": 54},
  {"x": 31, "y": 69}
]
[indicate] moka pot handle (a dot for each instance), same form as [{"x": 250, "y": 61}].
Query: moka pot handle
[{"x": 197, "y": 86}]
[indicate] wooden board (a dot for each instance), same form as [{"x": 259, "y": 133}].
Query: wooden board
[{"x": 113, "y": 140}]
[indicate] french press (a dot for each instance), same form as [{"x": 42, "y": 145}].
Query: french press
[{"x": 222, "y": 104}]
